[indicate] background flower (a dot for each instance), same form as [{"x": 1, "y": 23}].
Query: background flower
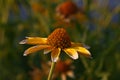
[{"x": 64, "y": 69}]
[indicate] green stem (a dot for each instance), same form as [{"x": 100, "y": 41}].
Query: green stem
[{"x": 51, "y": 70}]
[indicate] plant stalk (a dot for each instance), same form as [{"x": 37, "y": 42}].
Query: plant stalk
[{"x": 51, "y": 71}]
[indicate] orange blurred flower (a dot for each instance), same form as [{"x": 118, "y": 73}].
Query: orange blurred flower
[
  {"x": 58, "y": 40},
  {"x": 36, "y": 74},
  {"x": 38, "y": 8},
  {"x": 64, "y": 69},
  {"x": 66, "y": 10},
  {"x": 39, "y": 73}
]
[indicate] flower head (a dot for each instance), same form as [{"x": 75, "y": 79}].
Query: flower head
[
  {"x": 64, "y": 69},
  {"x": 66, "y": 10},
  {"x": 56, "y": 41},
  {"x": 59, "y": 39}
]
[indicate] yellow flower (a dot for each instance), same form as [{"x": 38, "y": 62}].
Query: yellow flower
[{"x": 58, "y": 40}]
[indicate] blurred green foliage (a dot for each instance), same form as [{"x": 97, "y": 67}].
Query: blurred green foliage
[{"x": 100, "y": 30}]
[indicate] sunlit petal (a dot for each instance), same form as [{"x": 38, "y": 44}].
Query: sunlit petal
[
  {"x": 55, "y": 54},
  {"x": 83, "y": 51},
  {"x": 34, "y": 40},
  {"x": 79, "y": 45},
  {"x": 72, "y": 53},
  {"x": 34, "y": 49}
]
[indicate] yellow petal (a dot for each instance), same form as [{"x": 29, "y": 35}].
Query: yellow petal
[
  {"x": 34, "y": 40},
  {"x": 79, "y": 45},
  {"x": 34, "y": 49},
  {"x": 71, "y": 52},
  {"x": 47, "y": 50},
  {"x": 55, "y": 54},
  {"x": 83, "y": 51}
]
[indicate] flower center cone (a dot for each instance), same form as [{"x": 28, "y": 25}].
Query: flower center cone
[{"x": 59, "y": 39}]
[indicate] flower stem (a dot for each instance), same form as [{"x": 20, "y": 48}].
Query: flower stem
[{"x": 51, "y": 70}]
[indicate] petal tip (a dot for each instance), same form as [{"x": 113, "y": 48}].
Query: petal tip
[
  {"x": 87, "y": 47},
  {"x": 24, "y": 54},
  {"x": 54, "y": 60},
  {"x": 46, "y": 52},
  {"x": 26, "y": 37},
  {"x": 23, "y": 42},
  {"x": 75, "y": 57},
  {"x": 89, "y": 56}
]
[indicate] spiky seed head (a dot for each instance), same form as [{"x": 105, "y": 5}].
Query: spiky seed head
[{"x": 59, "y": 39}]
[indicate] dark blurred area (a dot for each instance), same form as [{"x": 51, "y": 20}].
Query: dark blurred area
[{"x": 96, "y": 23}]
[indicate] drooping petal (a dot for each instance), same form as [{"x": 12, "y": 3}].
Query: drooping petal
[
  {"x": 71, "y": 52},
  {"x": 83, "y": 51},
  {"x": 47, "y": 50},
  {"x": 79, "y": 45},
  {"x": 34, "y": 40},
  {"x": 55, "y": 54},
  {"x": 34, "y": 49}
]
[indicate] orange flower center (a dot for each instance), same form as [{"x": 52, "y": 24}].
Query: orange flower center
[{"x": 59, "y": 39}]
